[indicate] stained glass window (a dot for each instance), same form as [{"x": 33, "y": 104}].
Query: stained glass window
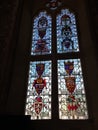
[
  {"x": 38, "y": 102},
  {"x": 41, "y": 36},
  {"x": 72, "y": 100},
  {"x": 67, "y": 79},
  {"x": 67, "y": 40}
]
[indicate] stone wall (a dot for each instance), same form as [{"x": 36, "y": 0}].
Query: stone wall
[{"x": 9, "y": 20}]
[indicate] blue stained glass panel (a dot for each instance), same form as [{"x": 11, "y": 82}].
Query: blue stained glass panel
[
  {"x": 38, "y": 101},
  {"x": 71, "y": 91},
  {"x": 67, "y": 39},
  {"x": 41, "y": 35}
]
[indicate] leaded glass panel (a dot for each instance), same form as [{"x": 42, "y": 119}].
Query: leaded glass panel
[
  {"x": 41, "y": 35},
  {"x": 71, "y": 92},
  {"x": 38, "y": 102},
  {"x": 67, "y": 39}
]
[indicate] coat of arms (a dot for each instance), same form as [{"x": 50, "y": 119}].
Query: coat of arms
[
  {"x": 69, "y": 66},
  {"x": 70, "y": 84},
  {"x": 38, "y": 105}
]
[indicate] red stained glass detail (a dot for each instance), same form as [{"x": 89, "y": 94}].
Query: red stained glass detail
[
  {"x": 70, "y": 84},
  {"x": 72, "y": 103},
  {"x": 39, "y": 84},
  {"x": 38, "y": 105}
]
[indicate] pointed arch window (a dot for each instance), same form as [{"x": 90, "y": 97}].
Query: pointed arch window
[
  {"x": 71, "y": 91},
  {"x": 41, "y": 39},
  {"x": 55, "y": 72},
  {"x": 39, "y": 82},
  {"x": 67, "y": 40}
]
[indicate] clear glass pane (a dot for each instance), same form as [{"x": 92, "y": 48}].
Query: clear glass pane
[
  {"x": 41, "y": 35},
  {"x": 71, "y": 92},
  {"x": 67, "y": 39},
  {"x": 38, "y": 101}
]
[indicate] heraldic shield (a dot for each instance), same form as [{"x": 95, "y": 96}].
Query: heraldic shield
[
  {"x": 38, "y": 105},
  {"x": 69, "y": 66},
  {"x": 40, "y": 69},
  {"x": 41, "y": 46},
  {"x": 65, "y": 20},
  {"x": 39, "y": 84},
  {"x": 70, "y": 84}
]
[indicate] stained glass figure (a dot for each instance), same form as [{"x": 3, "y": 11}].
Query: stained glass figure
[
  {"x": 53, "y": 4},
  {"x": 67, "y": 39},
  {"x": 38, "y": 102},
  {"x": 71, "y": 91},
  {"x": 41, "y": 36}
]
